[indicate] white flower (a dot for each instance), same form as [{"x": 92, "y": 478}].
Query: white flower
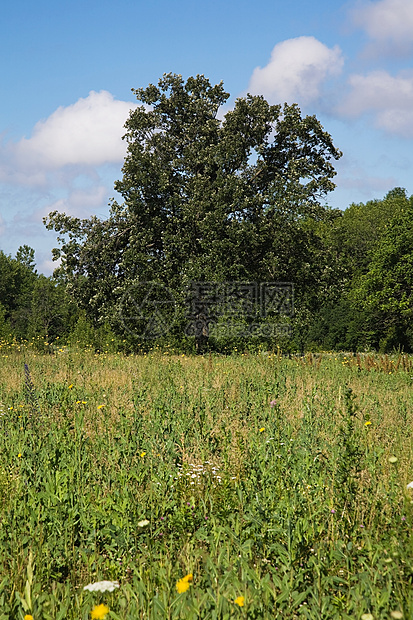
[
  {"x": 143, "y": 523},
  {"x": 102, "y": 586},
  {"x": 410, "y": 485}
]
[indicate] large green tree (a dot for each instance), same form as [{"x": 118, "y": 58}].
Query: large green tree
[{"x": 207, "y": 196}]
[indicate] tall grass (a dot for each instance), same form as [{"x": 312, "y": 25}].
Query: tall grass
[{"x": 278, "y": 484}]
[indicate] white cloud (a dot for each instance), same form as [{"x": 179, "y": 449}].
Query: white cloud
[
  {"x": 296, "y": 71},
  {"x": 78, "y": 203},
  {"x": 388, "y": 23},
  {"x": 388, "y": 98},
  {"x": 47, "y": 265},
  {"x": 88, "y": 132}
]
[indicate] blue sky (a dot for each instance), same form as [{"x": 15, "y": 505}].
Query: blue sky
[{"x": 68, "y": 68}]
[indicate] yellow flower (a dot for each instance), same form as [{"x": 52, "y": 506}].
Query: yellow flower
[
  {"x": 19, "y": 455},
  {"x": 183, "y": 584},
  {"x": 28, "y": 617},
  {"x": 367, "y": 423},
  {"x": 262, "y": 429},
  {"x": 70, "y": 386},
  {"x": 99, "y": 612},
  {"x": 100, "y": 406},
  {"x": 240, "y": 601},
  {"x": 143, "y": 454}
]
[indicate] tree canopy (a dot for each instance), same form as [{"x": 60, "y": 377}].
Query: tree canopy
[{"x": 208, "y": 196}]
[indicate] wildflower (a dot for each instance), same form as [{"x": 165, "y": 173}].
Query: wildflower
[
  {"x": 367, "y": 423},
  {"x": 70, "y": 386},
  {"x": 262, "y": 429},
  {"x": 143, "y": 523},
  {"x": 19, "y": 455},
  {"x": 99, "y": 612},
  {"x": 100, "y": 406},
  {"x": 273, "y": 403},
  {"x": 393, "y": 459},
  {"x": 28, "y": 617},
  {"x": 332, "y": 511},
  {"x": 182, "y": 585},
  {"x": 410, "y": 485},
  {"x": 142, "y": 454},
  {"x": 102, "y": 586},
  {"x": 240, "y": 601}
]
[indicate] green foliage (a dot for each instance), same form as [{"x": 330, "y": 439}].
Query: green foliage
[
  {"x": 16, "y": 280},
  {"x": 372, "y": 246},
  {"x": 386, "y": 288}
]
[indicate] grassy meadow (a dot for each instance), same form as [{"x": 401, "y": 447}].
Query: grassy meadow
[{"x": 213, "y": 487}]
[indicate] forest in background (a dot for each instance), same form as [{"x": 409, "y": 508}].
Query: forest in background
[{"x": 352, "y": 291}]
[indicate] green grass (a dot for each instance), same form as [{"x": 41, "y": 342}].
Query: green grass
[{"x": 293, "y": 505}]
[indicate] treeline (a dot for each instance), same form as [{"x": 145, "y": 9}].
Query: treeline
[
  {"x": 39, "y": 309},
  {"x": 371, "y": 250},
  {"x": 353, "y": 290}
]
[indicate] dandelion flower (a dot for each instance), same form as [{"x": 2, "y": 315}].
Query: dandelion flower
[
  {"x": 70, "y": 386},
  {"x": 367, "y": 423},
  {"x": 182, "y": 586},
  {"x": 100, "y": 406},
  {"x": 102, "y": 586},
  {"x": 28, "y": 617},
  {"x": 262, "y": 429},
  {"x": 19, "y": 455},
  {"x": 143, "y": 454},
  {"x": 188, "y": 577},
  {"x": 99, "y": 612},
  {"x": 240, "y": 601}
]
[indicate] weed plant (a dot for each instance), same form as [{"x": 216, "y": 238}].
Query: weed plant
[{"x": 245, "y": 486}]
